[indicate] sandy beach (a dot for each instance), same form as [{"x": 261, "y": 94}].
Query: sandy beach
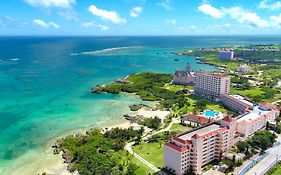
[
  {"x": 40, "y": 161},
  {"x": 43, "y": 160}
]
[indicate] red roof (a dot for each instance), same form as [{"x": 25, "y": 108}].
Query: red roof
[
  {"x": 228, "y": 119},
  {"x": 177, "y": 148},
  {"x": 195, "y": 136},
  {"x": 266, "y": 104},
  {"x": 195, "y": 118},
  {"x": 180, "y": 140}
]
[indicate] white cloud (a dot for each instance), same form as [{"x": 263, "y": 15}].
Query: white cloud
[
  {"x": 192, "y": 27},
  {"x": 94, "y": 25},
  {"x": 265, "y": 4},
  {"x": 166, "y": 4},
  {"x": 135, "y": 12},
  {"x": 54, "y": 25},
  {"x": 237, "y": 13},
  {"x": 210, "y": 10},
  {"x": 51, "y": 3},
  {"x": 43, "y": 24},
  {"x": 171, "y": 21},
  {"x": 245, "y": 17},
  {"x": 107, "y": 15},
  {"x": 276, "y": 20}
]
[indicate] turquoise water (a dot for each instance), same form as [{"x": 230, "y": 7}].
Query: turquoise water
[
  {"x": 46, "y": 81},
  {"x": 210, "y": 114}
]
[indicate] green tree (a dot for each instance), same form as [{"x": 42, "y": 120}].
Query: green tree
[{"x": 242, "y": 146}]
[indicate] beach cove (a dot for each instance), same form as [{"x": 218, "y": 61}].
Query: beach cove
[{"x": 45, "y": 92}]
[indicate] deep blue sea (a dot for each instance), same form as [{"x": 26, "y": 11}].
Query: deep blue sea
[{"x": 45, "y": 86}]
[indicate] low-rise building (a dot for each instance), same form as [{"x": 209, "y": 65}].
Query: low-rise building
[
  {"x": 255, "y": 120},
  {"x": 267, "y": 106},
  {"x": 236, "y": 103},
  {"x": 200, "y": 120},
  {"x": 211, "y": 85},
  {"x": 226, "y": 55}
]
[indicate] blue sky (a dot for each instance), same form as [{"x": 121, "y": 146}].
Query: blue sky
[{"x": 140, "y": 17}]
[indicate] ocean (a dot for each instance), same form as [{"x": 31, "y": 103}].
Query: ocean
[{"x": 45, "y": 85}]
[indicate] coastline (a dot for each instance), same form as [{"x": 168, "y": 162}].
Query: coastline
[{"x": 44, "y": 161}]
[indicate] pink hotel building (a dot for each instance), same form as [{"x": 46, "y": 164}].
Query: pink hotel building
[
  {"x": 198, "y": 147},
  {"x": 211, "y": 85}
]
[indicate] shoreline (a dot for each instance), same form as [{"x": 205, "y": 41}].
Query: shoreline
[{"x": 44, "y": 160}]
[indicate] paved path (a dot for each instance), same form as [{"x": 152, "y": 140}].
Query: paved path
[
  {"x": 274, "y": 154},
  {"x": 128, "y": 147}
]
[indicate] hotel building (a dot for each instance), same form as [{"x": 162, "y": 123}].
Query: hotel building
[
  {"x": 211, "y": 85},
  {"x": 198, "y": 147},
  {"x": 236, "y": 103},
  {"x": 226, "y": 55},
  {"x": 183, "y": 77}
]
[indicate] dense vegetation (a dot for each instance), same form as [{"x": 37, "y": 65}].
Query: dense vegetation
[
  {"x": 261, "y": 140},
  {"x": 100, "y": 154},
  {"x": 146, "y": 85},
  {"x": 156, "y": 87},
  {"x": 153, "y": 123}
]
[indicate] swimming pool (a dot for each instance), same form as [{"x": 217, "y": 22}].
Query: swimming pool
[{"x": 210, "y": 113}]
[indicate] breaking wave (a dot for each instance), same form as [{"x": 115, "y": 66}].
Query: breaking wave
[{"x": 103, "y": 51}]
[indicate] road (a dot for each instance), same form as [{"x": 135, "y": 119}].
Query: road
[{"x": 261, "y": 167}]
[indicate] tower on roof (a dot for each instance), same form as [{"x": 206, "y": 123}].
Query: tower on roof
[{"x": 187, "y": 68}]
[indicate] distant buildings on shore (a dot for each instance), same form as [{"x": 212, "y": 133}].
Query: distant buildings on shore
[
  {"x": 226, "y": 55},
  {"x": 184, "y": 77}
]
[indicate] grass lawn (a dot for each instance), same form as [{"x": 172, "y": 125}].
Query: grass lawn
[
  {"x": 152, "y": 152},
  {"x": 211, "y": 104},
  {"x": 249, "y": 93},
  {"x": 142, "y": 168},
  {"x": 179, "y": 128},
  {"x": 232, "y": 65},
  {"x": 175, "y": 88},
  {"x": 216, "y": 107}
]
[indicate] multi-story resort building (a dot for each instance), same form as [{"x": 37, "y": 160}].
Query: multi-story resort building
[
  {"x": 226, "y": 55},
  {"x": 211, "y": 85},
  {"x": 198, "y": 147},
  {"x": 236, "y": 103},
  {"x": 183, "y": 77}
]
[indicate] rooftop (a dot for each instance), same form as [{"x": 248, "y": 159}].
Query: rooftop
[
  {"x": 212, "y": 74},
  {"x": 254, "y": 114},
  {"x": 200, "y": 131},
  {"x": 242, "y": 99},
  {"x": 266, "y": 104},
  {"x": 191, "y": 117}
]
